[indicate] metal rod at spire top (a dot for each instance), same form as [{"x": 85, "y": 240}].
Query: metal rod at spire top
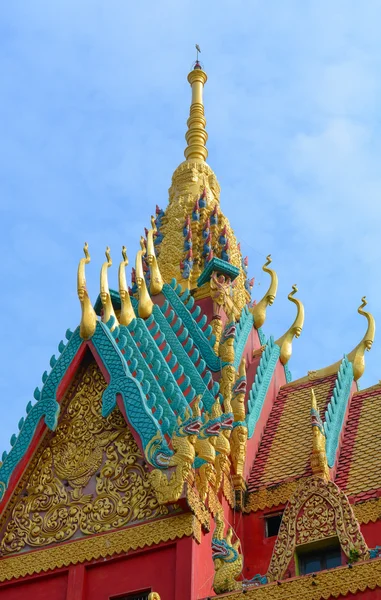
[{"x": 198, "y": 50}]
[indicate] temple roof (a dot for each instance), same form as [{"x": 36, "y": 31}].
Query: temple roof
[
  {"x": 358, "y": 472},
  {"x": 285, "y": 448}
]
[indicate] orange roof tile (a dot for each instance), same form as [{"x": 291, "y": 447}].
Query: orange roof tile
[{"x": 285, "y": 447}]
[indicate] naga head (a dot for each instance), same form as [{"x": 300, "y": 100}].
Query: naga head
[{"x": 192, "y": 422}]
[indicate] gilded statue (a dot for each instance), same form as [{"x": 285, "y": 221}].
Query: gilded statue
[
  {"x": 206, "y": 452},
  {"x": 239, "y": 435},
  {"x": 285, "y": 342},
  {"x": 227, "y": 559},
  {"x": 88, "y": 318},
  {"x": 183, "y": 443},
  {"x": 319, "y": 462},
  {"x": 259, "y": 310}
]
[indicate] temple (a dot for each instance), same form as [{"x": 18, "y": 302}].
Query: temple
[{"x": 168, "y": 454}]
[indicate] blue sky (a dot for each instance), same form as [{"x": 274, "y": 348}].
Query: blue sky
[{"x": 93, "y": 104}]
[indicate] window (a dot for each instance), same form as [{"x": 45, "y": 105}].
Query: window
[
  {"x": 272, "y": 524},
  {"x": 134, "y": 596},
  {"x": 319, "y": 559}
]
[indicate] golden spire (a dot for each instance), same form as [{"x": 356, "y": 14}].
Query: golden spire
[
  {"x": 285, "y": 342},
  {"x": 196, "y": 135},
  {"x": 89, "y": 318},
  {"x": 259, "y": 310},
  {"x": 356, "y": 357},
  {"x": 108, "y": 309},
  {"x": 319, "y": 462},
  {"x": 145, "y": 302},
  {"x": 127, "y": 313},
  {"x": 156, "y": 282}
]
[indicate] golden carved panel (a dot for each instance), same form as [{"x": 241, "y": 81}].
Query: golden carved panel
[
  {"x": 315, "y": 521},
  {"x": 88, "y": 478},
  {"x": 100, "y": 546},
  {"x": 333, "y": 583},
  {"x": 315, "y": 499}
]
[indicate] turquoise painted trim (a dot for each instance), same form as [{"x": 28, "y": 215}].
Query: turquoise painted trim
[
  {"x": 287, "y": 373},
  {"x": 46, "y": 407},
  {"x": 183, "y": 357},
  {"x": 136, "y": 362},
  {"x": 220, "y": 266},
  {"x": 200, "y": 333},
  {"x": 262, "y": 337},
  {"x": 244, "y": 327},
  {"x": 334, "y": 415},
  {"x": 134, "y": 391},
  {"x": 166, "y": 386},
  {"x": 261, "y": 384}
]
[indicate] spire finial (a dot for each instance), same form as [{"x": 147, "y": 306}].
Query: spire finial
[
  {"x": 196, "y": 135},
  {"x": 319, "y": 462},
  {"x": 108, "y": 309},
  {"x": 89, "y": 318}
]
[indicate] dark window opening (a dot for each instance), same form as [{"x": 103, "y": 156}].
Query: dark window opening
[
  {"x": 134, "y": 596},
  {"x": 319, "y": 559},
  {"x": 272, "y": 524}
]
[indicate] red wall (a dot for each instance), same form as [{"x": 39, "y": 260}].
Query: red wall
[
  {"x": 166, "y": 569},
  {"x": 52, "y": 587}
]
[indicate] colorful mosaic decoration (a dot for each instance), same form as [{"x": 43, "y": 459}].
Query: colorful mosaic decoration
[{"x": 169, "y": 454}]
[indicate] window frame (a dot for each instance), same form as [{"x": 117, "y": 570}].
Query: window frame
[
  {"x": 320, "y": 549},
  {"x": 268, "y": 516}
]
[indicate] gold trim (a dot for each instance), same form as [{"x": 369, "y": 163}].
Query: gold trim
[
  {"x": 368, "y": 511},
  {"x": 269, "y": 497},
  {"x": 327, "y": 584},
  {"x": 100, "y": 546}
]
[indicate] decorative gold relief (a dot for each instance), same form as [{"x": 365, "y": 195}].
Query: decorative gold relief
[
  {"x": 89, "y": 478},
  {"x": 316, "y": 521},
  {"x": 100, "y": 546},
  {"x": 333, "y": 583},
  {"x": 308, "y": 517}
]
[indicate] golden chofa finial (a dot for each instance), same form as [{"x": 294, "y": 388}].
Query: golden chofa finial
[
  {"x": 285, "y": 342},
  {"x": 108, "y": 309},
  {"x": 259, "y": 310},
  {"x": 356, "y": 357},
  {"x": 319, "y": 462},
  {"x": 196, "y": 135},
  {"x": 127, "y": 313},
  {"x": 89, "y": 318},
  {"x": 145, "y": 302},
  {"x": 156, "y": 281}
]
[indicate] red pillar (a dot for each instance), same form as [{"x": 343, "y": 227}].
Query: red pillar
[{"x": 76, "y": 583}]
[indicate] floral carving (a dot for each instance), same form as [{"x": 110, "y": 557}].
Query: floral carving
[
  {"x": 89, "y": 477},
  {"x": 303, "y": 516},
  {"x": 315, "y": 521}
]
